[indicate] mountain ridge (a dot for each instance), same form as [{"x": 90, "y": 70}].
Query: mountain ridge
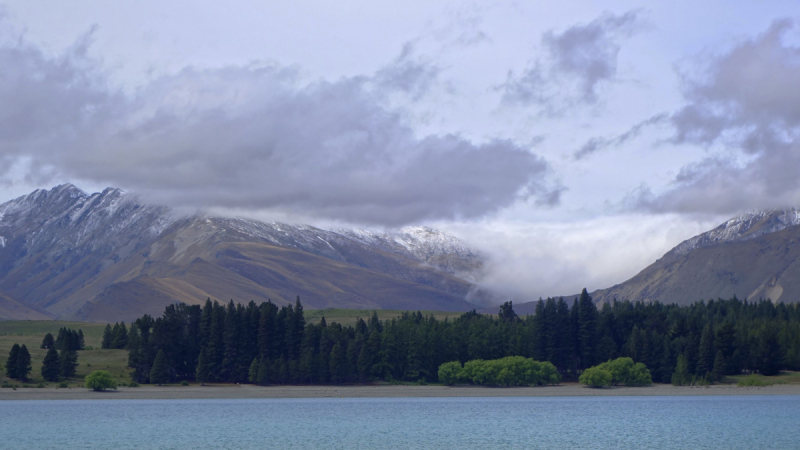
[{"x": 74, "y": 255}]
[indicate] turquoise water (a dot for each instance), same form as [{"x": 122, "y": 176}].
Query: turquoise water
[{"x": 764, "y": 422}]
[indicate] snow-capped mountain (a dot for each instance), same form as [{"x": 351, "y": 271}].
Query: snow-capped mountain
[
  {"x": 107, "y": 255},
  {"x": 741, "y": 228},
  {"x": 755, "y": 255}
]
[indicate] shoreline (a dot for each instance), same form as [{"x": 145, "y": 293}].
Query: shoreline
[{"x": 380, "y": 391}]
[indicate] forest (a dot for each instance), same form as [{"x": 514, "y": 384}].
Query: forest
[{"x": 267, "y": 344}]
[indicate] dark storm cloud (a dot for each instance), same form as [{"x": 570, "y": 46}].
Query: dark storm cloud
[
  {"x": 579, "y": 60},
  {"x": 747, "y": 101},
  {"x": 255, "y": 137}
]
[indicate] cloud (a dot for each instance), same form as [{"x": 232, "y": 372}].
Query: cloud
[
  {"x": 579, "y": 61},
  {"x": 532, "y": 260},
  {"x": 746, "y": 102},
  {"x": 599, "y": 143},
  {"x": 413, "y": 77},
  {"x": 257, "y": 137}
]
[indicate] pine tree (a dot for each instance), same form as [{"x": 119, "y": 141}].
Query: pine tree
[
  {"x": 107, "y": 337},
  {"x": 298, "y": 329},
  {"x": 62, "y": 332},
  {"x": 337, "y": 364},
  {"x": 51, "y": 366},
  {"x": 48, "y": 342},
  {"x": 81, "y": 342},
  {"x": 507, "y": 313},
  {"x": 768, "y": 355},
  {"x": 134, "y": 343},
  {"x": 11, "y": 362},
  {"x": 231, "y": 340},
  {"x": 719, "y": 367},
  {"x": 159, "y": 374},
  {"x": 23, "y": 363},
  {"x": 681, "y": 376},
  {"x": 540, "y": 338},
  {"x": 253, "y": 372},
  {"x": 69, "y": 362},
  {"x": 705, "y": 354},
  {"x": 263, "y": 373},
  {"x": 119, "y": 337},
  {"x": 587, "y": 328},
  {"x": 202, "y": 371}
]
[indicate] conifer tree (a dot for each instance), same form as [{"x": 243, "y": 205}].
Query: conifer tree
[
  {"x": 134, "y": 344},
  {"x": 587, "y": 328},
  {"x": 719, "y": 367},
  {"x": 51, "y": 366},
  {"x": 119, "y": 336},
  {"x": 11, "y": 362},
  {"x": 159, "y": 374},
  {"x": 263, "y": 373},
  {"x": 48, "y": 342},
  {"x": 23, "y": 363},
  {"x": 768, "y": 356},
  {"x": 337, "y": 364},
  {"x": 705, "y": 354},
  {"x": 231, "y": 335},
  {"x": 540, "y": 338},
  {"x": 299, "y": 329},
  {"x": 62, "y": 332},
  {"x": 681, "y": 376},
  {"x": 68, "y": 359},
  {"x": 107, "y": 337},
  {"x": 253, "y": 372},
  {"x": 81, "y": 342},
  {"x": 202, "y": 371}
]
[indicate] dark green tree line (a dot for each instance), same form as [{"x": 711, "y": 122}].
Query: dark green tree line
[{"x": 267, "y": 344}]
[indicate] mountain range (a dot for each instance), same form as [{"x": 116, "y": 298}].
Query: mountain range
[{"x": 108, "y": 256}]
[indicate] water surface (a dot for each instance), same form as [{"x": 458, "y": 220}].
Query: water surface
[{"x": 729, "y": 422}]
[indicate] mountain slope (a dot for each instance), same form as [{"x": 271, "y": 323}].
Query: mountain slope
[
  {"x": 106, "y": 256},
  {"x": 756, "y": 255},
  {"x": 14, "y": 310}
]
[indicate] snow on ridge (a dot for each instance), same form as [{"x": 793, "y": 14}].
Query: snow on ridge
[
  {"x": 749, "y": 225},
  {"x": 2, "y": 242}
]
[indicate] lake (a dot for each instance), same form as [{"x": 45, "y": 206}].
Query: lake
[{"x": 702, "y": 422}]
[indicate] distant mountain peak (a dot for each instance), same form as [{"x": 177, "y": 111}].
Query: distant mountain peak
[{"x": 749, "y": 225}]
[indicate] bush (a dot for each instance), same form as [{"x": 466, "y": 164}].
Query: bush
[
  {"x": 40, "y": 385},
  {"x": 63, "y": 385},
  {"x": 509, "y": 371},
  {"x": 133, "y": 384},
  {"x": 100, "y": 380},
  {"x": 623, "y": 371},
  {"x": 184, "y": 383},
  {"x": 596, "y": 377},
  {"x": 450, "y": 373}
]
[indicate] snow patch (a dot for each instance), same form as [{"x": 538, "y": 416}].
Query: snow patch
[{"x": 2, "y": 242}]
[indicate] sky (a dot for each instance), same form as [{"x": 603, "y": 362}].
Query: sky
[{"x": 572, "y": 142}]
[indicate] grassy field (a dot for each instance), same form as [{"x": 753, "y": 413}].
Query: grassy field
[
  {"x": 761, "y": 380},
  {"x": 31, "y": 334},
  {"x": 350, "y": 316}
]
